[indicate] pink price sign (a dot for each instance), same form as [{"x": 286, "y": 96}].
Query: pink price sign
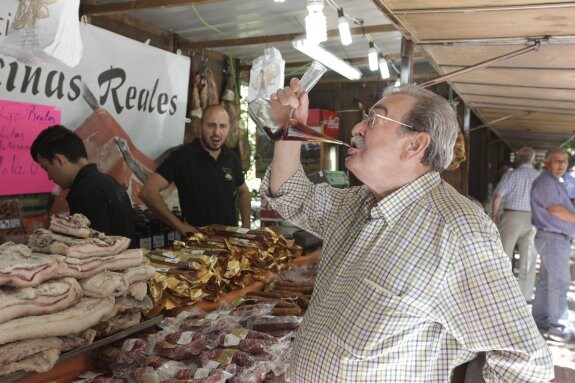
[{"x": 20, "y": 124}]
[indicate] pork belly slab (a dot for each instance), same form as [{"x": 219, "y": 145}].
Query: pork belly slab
[
  {"x": 46, "y": 241},
  {"x": 21, "y": 267},
  {"x": 39, "y": 362},
  {"x": 21, "y": 349},
  {"x": 48, "y": 297},
  {"x": 75, "y": 319},
  {"x": 75, "y": 225},
  {"x": 117, "y": 283}
]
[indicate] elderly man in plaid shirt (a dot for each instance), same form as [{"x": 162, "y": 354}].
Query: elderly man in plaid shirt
[
  {"x": 413, "y": 280},
  {"x": 514, "y": 190}
]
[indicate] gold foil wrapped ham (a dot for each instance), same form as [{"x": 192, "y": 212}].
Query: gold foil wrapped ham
[{"x": 217, "y": 261}]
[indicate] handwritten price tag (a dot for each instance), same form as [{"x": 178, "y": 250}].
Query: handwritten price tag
[{"x": 20, "y": 124}]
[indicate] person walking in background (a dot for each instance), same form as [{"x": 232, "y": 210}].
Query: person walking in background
[
  {"x": 569, "y": 183},
  {"x": 515, "y": 226},
  {"x": 98, "y": 196},
  {"x": 208, "y": 177},
  {"x": 553, "y": 214},
  {"x": 412, "y": 280}
]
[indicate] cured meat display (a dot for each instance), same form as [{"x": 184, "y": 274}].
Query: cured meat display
[
  {"x": 239, "y": 343},
  {"x": 216, "y": 261},
  {"x": 57, "y": 295}
]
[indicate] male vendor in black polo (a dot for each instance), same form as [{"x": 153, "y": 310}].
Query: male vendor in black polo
[
  {"x": 207, "y": 175},
  {"x": 98, "y": 196}
]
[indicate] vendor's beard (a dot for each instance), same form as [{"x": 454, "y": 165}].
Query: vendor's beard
[{"x": 208, "y": 144}]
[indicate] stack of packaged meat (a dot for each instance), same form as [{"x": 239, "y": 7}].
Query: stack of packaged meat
[
  {"x": 216, "y": 261},
  {"x": 69, "y": 285},
  {"x": 199, "y": 347}
]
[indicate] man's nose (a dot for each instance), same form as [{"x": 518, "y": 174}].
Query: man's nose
[{"x": 359, "y": 128}]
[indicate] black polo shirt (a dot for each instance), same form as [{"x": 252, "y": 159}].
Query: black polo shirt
[
  {"x": 206, "y": 187},
  {"x": 104, "y": 201}
]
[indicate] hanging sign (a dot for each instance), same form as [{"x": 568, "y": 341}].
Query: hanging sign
[{"x": 20, "y": 124}]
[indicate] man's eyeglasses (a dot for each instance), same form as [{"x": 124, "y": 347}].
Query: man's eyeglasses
[{"x": 372, "y": 116}]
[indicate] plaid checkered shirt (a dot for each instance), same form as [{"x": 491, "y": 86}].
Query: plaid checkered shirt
[
  {"x": 408, "y": 288},
  {"x": 515, "y": 187}
]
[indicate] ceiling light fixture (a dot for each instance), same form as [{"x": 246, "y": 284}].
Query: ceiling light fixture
[
  {"x": 372, "y": 54},
  {"x": 327, "y": 58},
  {"x": 315, "y": 23},
  {"x": 343, "y": 26},
  {"x": 383, "y": 68}
]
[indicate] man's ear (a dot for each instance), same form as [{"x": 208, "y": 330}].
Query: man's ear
[
  {"x": 60, "y": 159},
  {"x": 416, "y": 144}
]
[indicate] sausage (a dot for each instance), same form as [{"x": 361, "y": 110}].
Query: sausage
[{"x": 265, "y": 294}]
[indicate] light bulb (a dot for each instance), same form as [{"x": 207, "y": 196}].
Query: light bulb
[
  {"x": 315, "y": 22},
  {"x": 372, "y": 56},
  {"x": 343, "y": 26},
  {"x": 383, "y": 68}
]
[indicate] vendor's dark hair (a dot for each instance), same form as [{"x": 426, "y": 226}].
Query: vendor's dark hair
[{"x": 57, "y": 139}]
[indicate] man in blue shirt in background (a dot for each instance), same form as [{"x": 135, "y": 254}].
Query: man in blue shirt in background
[
  {"x": 513, "y": 191},
  {"x": 553, "y": 214}
]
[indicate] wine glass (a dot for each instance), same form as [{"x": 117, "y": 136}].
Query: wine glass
[{"x": 277, "y": 122}]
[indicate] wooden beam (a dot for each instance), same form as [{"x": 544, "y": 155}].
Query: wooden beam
[
  {"x": 142, "y": 25},
  {"x": 106, "y": 9},
  {"x": 282, "y": 37}
]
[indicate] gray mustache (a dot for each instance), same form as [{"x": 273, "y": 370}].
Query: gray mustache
[{"x": 357, "y": 141}]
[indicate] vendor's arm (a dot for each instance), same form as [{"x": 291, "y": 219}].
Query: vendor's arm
[
  {"x": 286, "y": 157},
  {"x": 151, "y": 196},
  {"x": 245, "y": 204},
  {"x": 561, "y": 212}
]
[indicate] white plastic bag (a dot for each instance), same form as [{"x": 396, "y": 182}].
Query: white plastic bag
[
  {"x": 45, "y": 31},
  {"x": 266, "y": 75}
]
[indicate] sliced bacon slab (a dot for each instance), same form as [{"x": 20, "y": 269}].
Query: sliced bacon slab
[
  {"x": 83, "y": 315},
  {"x": 39, "y": 362},
  {"x": 20, "y": 267},
  {"x": 104, "y": 284},
  {"x": 46, "y": 241},
  {"x": 124, "y": 260},
  {"x": 76, "y": 225},
  {"x": 19, "y": 350},
  {"x": 48, "y": 297}
]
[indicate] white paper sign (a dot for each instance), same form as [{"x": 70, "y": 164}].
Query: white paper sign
[{"x": 145, "y": 89}]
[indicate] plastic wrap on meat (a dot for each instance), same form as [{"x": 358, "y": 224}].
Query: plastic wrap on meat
[
  {"x": 216, "y": 376},
  {"x": 256, "y": 346},
  {"x": 206, "y": 326},
  {"x": 254, "y": 374},
  {"x": 225, "y": 356},
  {"x": 234, "y": 336},
  {"x": 187, "y": 345},
  {"x": 132, "y": 352},
  {"x": 275, "y": 324}
]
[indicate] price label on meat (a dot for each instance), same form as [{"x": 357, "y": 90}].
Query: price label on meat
[{"x": 20, "y": 124}]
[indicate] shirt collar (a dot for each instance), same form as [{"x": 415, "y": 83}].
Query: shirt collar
[
  {"x": 395, "y": 203},
  {"x": 83, "y": 173}
]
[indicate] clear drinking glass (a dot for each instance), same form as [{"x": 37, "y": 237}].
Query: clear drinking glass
[{"x": 277, "y": 122}]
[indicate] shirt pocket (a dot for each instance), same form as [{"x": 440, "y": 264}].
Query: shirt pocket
[{"x": 372, "y": 321}]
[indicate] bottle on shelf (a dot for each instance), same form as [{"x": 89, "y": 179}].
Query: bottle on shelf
[
  {"x": 177, "y": 213},
  {"x": 143, "y": 230},
  {"x": 157, "y": 230}
]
